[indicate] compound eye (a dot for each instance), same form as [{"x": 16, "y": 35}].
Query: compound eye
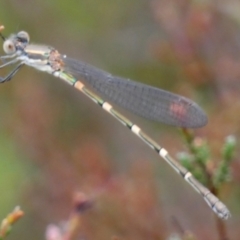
[
  {"x": 23, "y": 37},
  {"x": 9, "y": 47}
]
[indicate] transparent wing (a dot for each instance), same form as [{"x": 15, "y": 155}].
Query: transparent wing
[{"x": 143, "y": 100}]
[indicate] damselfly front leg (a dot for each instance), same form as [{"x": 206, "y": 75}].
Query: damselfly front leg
[{"x": 11, "y": 74}]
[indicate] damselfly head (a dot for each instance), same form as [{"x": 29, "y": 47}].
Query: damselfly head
[
  {"x": 16, "y": 42},
  {"x": 23, "y": 37}
]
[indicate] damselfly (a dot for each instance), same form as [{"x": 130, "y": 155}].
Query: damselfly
[{"x": 146, "y": 101}]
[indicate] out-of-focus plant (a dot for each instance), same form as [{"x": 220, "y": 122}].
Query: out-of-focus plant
[
  {"x": 70, "y": 229},
  {"x": 199, "y": 162},
  {"x": 7, "y": 222}
]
